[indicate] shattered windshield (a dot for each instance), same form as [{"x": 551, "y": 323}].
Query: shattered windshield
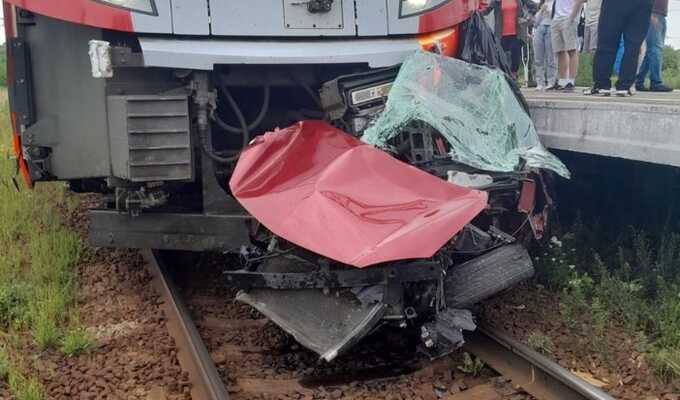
[{"x": 472, "y": 106}]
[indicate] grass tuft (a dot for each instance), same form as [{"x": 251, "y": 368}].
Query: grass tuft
[
  {"x": 5, "y": 363},
  {"x": 25, "y": 388},
  {"x": 37, "y": 270},
  {"x": 541, "y": 343},
  {"x": 666, "y": 363},
  {"x": 76, "y": 341},
  {"x": 472, "y": 365}
]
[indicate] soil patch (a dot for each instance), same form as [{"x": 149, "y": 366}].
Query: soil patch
[
  {"x": 530, "y": 309},
  {"x": 134, "y": 357}
]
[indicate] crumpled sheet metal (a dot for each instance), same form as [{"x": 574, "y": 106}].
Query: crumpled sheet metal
[
  {"x": 472, "y": 106},
  {"x": 328, "y": 192}
]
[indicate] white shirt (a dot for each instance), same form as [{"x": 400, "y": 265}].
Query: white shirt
[
  {"x": 563, "y": 8},
  {"x": 593, "y": 8},
  {"x": 544, "y": 15}
]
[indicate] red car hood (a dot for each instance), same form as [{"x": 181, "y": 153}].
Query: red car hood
[{"x": 329, "y": 193}]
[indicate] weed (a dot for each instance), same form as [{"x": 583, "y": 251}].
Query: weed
[
  {"x": 541, "y": 343},
  {"x": 25, "y": 388},
  {"x": 642, "y": 343},
  {"x": 665, "y": 319},
  {"x": 37, "y": 276},
  {"x": 637, "y": 284},
  {"x": 4, "y": 363},
  {"x": 13, "y": 299},
  {"x": 574, "y": 298},
  {"x": 555, "y": 264},
  {"x": 600, "y": 322},
  {"x": 76, "y": 341},
  {"x": 472, "y": 365},
  {"x": 44, "y": 330},
  {"x": 47, "y": 312},
  {"x": 624, "y": 299},
  {"x": 666, "y": 363}
]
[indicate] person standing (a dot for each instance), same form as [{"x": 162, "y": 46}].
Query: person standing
[
  {"x": 544, "y": 57},
  {"x": 593, "y": 8},
  {"x": 629, "y": 18},
  {"x": 653, "y": 61},
  {"x": 564, "y": 33},
  {"x": 509, "y": 41}
]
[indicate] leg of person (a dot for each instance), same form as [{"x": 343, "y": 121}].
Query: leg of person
[
  {"x": 587, "y": 33},
  {"x": 644, "y": 67},
  {"x": 559, "y": 47},
  {"x": 530, "y": 57},
  {"x": 609, "y": 34},
  {"x": 590, "y": 39},
  {"x": 509, "y": 44},
  {"x": 593, "y": 39},
  {"x": 572, "y": 46},
  {"x": 516, "y": 55},
  {"x": 551, "y": 63},
  {"x": 573, "y": 66},
  {"x": 634, "y": 32},
  {"x": 655, "y": 53},
  {"x": 562, "y": 66},
  {"x": 643, "y": 53},
  {"x": 540, "y": 57}
]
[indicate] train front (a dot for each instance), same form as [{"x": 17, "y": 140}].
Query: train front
[{"x": 272, "y": 131}]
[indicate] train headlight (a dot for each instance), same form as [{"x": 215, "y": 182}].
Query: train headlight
[
  {"x": 142, "y": 6},
  {"x": 409, "y": 8}
]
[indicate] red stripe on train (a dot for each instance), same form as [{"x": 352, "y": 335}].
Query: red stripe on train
[
  {"x": 84, "y": 12},
  {"x": 450, "y": 14}
]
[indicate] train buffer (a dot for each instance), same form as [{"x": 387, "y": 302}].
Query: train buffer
[{"x": 645, "y": 127}]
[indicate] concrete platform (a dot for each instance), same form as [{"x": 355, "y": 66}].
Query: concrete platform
[{"x": 645, "y": 127}]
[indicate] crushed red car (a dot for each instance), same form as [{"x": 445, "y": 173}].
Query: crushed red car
[
  {"x": 410, "y": 230},
  {"x": 329, "y": 193}
]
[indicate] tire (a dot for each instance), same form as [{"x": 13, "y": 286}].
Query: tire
[{"x": 485, "y": 276}]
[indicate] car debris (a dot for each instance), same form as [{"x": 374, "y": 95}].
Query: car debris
[
  {"x": 329, "y": 193},
  {"x": 409, "y": 226},
  {"x": 473, "y": 107}
]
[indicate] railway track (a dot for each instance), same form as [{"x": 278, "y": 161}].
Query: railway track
[{"x": 233, "y": 353}]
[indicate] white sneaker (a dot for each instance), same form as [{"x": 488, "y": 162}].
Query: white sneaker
[{"x": 540, "y": 88}]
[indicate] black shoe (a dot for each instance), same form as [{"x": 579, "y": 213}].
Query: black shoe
[
  {"x": 597, "y": 92},
  {"x": 661, "y": 88},
  {"x": 569, "y": 87},
  {"x": 641, "y": 88},
  {"x": 553, "y": 88}
]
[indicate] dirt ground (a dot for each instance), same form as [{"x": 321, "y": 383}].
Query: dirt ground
[
  {"x": 615, "y": 361},
  {"x": 134, "y": 357}
]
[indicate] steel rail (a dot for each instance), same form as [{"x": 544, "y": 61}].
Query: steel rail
[
  {"x": 192, "y": 353},
  {"x": 536, "y": 374}
]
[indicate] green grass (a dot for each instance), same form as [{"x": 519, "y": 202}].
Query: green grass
[
  {"x": 635, "y": 285},
  {"x": 3, "y": 66},
  {"x": 541, "y": 343},
  {"x": 76, "y": 341},
  {"x": 472, "y": 365},
  {"x": 13, "y": 370},
  {"x": 5, "y": 363},
  {"x": 25, "y": 388},
  {"x": 671, "y": 69},
  {"x": 37, "y": 272}
]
